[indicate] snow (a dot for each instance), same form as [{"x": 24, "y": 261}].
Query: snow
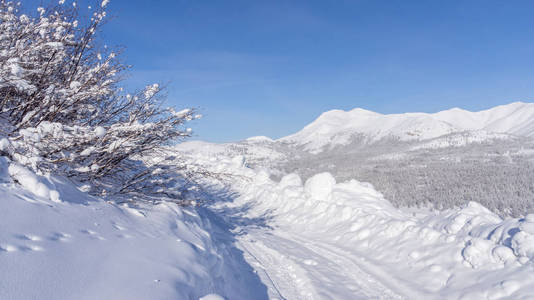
[
  {"x": 339, "y": 127},
  {"x": 319, "y": 186},
  {"x": 523, "y": 244},
  {"x": 74, "y": 85},
  {"x": 205, "y": 147},
  {"x": 180, "y": 114},
  {"x": 150, "y": 90},
  {"x": 256, "y": 237},
  {"x": 100, "y": 131},
  {"x": 260, "y": 139},
  {"x": 461, "y": 139},
  {"x": 87, "y": 151},
  {"x": 24, "y": 19},
  {"x": 254, "y": 151},
  {"x": 87, "y": 248},
  {"x": 55, "y": 45},
  {"x": 32, "y": 182},
  {"x": 4, "y": 145},
  {"x": 328, "y": 240},
  {"x": 16, "y": 70},
  {"x": 212, "y": 297}
]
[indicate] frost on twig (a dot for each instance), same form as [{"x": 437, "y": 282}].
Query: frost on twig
[{"x": 62, "y": 108}]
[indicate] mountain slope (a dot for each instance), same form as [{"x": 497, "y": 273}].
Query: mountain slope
[{"x": 339, "y": 127}]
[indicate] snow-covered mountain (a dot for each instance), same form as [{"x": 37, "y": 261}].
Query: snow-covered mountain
[
  {"x": 445, "y": 159},
  {"x": 338, "y": 127},
  {"x": 287, "y": 224}
]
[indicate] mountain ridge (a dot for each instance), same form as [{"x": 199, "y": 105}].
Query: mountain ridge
[{"x": 338, "y": 127}]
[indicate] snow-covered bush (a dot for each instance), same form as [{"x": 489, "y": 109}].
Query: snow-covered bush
[{"x": 62, "y": 109}]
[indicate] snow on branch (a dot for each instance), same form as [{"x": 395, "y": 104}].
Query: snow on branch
[{"x": 62, "y": 107}]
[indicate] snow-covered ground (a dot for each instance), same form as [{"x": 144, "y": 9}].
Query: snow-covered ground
[
  {"x": 74, "y": 246},
  {"x": 326, "y": 240},
  {"x": 255, "y": 238}
]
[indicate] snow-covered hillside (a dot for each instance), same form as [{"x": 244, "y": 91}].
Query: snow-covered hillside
[
  {"x": 339, "y": 127},
  {"x": 74, "y": 246}
]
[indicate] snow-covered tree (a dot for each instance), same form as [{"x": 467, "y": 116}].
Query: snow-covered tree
[{"x": 62, "y": 106}]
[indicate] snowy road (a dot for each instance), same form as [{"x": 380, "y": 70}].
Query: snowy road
[
  {"x": 297, "y": 264},
  {"x": 300, "y": 268},
  {"x": 326, "y": 240}
]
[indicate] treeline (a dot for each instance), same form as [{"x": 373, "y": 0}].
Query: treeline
[{"x": 489, "y": 173}]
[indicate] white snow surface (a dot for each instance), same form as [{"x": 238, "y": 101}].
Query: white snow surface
[
  {"x": 212, "y": 297},
  {"x": 257, "y": 238},
  {"x": 337, "y": 127},
  {"x": 100, "y": 131},
  {"x": 260, "y": 139},
  {"x": 328, "y": 240},
  {"x": 86, "y": 248},
  {"x": 461, "y": 139},
  {"x": 255, "y": 149}
]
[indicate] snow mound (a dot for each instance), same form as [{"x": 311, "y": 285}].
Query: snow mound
[
  {"x": 291, "y": 180},
  {"x": 320, "y": 186},
  {"x": 523, "y": 239},
  {"x": 458, "y": 253},
  {"x": 32, "y": 182},
  {"x": 87, "y": 248}
]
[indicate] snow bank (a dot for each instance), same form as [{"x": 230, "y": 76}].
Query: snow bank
[
  {"x": 467, "y": 253},
  {"x": 320, "y": 186},
  {"x": 86, "y": 248},
  {"x": 32, "y": 182}
]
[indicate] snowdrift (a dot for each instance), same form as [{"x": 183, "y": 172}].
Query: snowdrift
[
  {"x": 466, "y": 253},
  {"x": 57, "y": 242}
]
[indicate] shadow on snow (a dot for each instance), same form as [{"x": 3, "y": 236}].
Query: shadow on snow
[{"x": 226, "y": 225}]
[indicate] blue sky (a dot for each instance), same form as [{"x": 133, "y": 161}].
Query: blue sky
[{"x": 271, "y": 67}]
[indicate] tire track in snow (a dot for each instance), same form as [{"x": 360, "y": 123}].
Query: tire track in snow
[
  {"x": 393, "y": 287},
  {"x": 287, "y": 278},
  {"x": 271, "y": 285},
  {"x": 297, "y": 269}
]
